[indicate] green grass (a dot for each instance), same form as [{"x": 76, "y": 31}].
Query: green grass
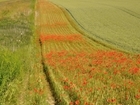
[
  {"x": 21, "y": 71},
  {"x": 114, "y": 23},
  {"x": 16, "y": 31},
  {"x": 12, "y": 70}
]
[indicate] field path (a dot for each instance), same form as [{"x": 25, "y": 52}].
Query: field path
[{"x": 56, "y": 33}]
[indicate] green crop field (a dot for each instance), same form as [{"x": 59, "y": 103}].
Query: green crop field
[
  {"x": 114, "y": 22},
  {"x": 69, "y": 52}
]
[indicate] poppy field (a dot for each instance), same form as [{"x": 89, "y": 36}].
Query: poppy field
[
  {"x": 82, "y": 71},
  {"x": 69, "y": 52}
]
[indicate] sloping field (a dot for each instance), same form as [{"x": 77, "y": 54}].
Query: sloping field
[
  {"x": 50, "y": 56},
  {"x": 81, "y": 71},
  {"x": 115, "y": 23}
]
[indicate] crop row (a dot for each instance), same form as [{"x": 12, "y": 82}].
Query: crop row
[{"x": 81, "y": 71}]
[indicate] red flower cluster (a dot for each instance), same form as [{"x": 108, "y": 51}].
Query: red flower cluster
[{"x": 71, "y": 37}]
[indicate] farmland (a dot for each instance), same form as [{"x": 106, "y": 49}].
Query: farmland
[
  {"x": 115, "y": 23},
  {"x": 69, "y": 53},
  {"x": 83, "y": 71}
]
